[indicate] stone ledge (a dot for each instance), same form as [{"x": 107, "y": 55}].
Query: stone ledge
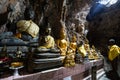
[{"x": 79, "y": 72}]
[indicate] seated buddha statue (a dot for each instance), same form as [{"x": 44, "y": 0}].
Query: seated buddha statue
[
  {"x": 62, "y": 43},
  {"x": 46, "y": 41},
  {"x": 87, "y": 48},
  {"x": 81, "y": 49},
  {"x": 94, "y": 52}
]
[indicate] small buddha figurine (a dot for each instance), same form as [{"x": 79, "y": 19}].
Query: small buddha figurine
[
  {"x": 87, "y": 48},
  {"x": 62, "y": 43},
  {"x": 18, "y": 53},
  {"x": 86, "y": 45},
  {"x": 81, "y": 49},
  {"x": 94, "y": 53},
  {"x": 46, "y": 41},
  {"x": 69, "y": 60}
]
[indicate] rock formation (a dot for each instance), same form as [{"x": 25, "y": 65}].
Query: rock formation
[{"x": 69, "y": 14}]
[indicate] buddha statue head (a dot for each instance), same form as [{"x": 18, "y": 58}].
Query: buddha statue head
[
  {"x": 93, "y": 47},
  {"x": 48, "y": 30},
  {"x": 62, "y": 34},
  {"x": 80, "y": 43},
  {"x": 74, "y": 39}
]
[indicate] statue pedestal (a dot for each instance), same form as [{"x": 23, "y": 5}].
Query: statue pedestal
[{"x": 16, "y": 72}]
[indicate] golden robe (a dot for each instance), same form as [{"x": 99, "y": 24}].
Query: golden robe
[{"x": 113, "y": 52}]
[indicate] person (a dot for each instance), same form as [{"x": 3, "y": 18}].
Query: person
[{"x": 113, "y": 54}]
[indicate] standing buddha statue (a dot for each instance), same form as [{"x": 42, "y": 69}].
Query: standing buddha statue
[
  {"x": 69, "y": 60},
  {"x": 73, "y": 44}
]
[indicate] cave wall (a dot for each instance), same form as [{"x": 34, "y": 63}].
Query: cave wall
[
  {"x": 62, "y": 13},
  {"x": 70, "y": 14},
  {"x": 105, "y": 27},
  {"x": 59, "y": 13},
  {"x": 10, "y": 12}
]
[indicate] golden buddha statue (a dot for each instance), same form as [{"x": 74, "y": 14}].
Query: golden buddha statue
[
  {"x": 46, "y": 41},
  {"x": 88, "y": 50},
  {"x": 73, "y": 44},
  {"x": 62, "y": 43},
  {"x": 86, "y": 45},
  {"x": 69, "y": 60},
  {"x": 94, "y": 53},
  {"x": 81, "y": 49}
]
